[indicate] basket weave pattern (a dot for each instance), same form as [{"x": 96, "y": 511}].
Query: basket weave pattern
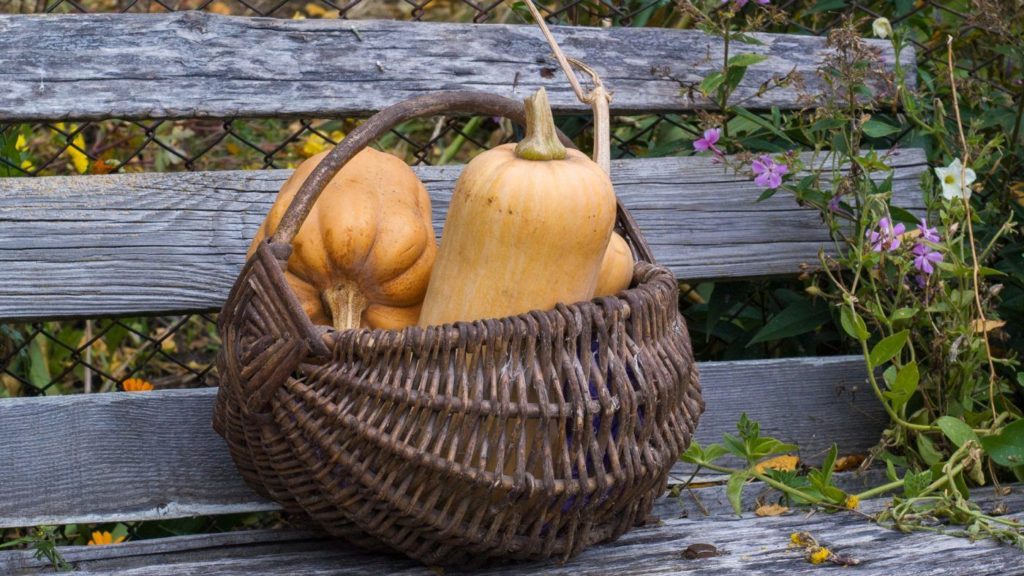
[
  {"x": 526, "y": 437},
  {"x": 416, "y": 437}
]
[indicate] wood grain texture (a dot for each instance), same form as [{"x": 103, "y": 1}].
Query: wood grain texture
[
  {"x": 162, "y": 243},
  {"x": 751, "y": 545},
  {"x": 60, "y": 465},
  {"x": 197, "y": 64}
]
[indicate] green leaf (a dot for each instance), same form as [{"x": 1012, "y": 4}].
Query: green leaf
[
  {"x": 711, "y": 83},
  {"x": 903, "y": 215},
  {"x": 888, "y": 348},
  {"x": 956, "y": 430},
  {"x": 1007, "y": 447},
  {"x": 748, "y": 429},
  {"x": 119, "y": 531},
  {"x": 903, "y": 386},
  {"x": 830, "y": 462},
  {"x": 890, "y": 470},
  {"x": 827, "y": 125},
  {"x": 915, "y": 483},
  {"x": 823, "y": 483},
  {"x": 799, "y": 317},
  {"x": 39, "y": 371},
  {"x": 928, "y": 452},
  {"x": 984, "y": 271},
  {"x": 734, "y": 75},
  {"x": 761, "y": 447},
  {"x": 714, "y": 452},
  {"x": 746, "y": 39},
  {"x": 734, "y": 490},
  {"x": 961, "y": 486},
  {"x": 903, "y": 314},
  {"x": 694, "y": 454},
  {"x": 878, "y": 129},
  {"x": 744, "y": 60},
  {"x": 761, "y": 122},
  {"x": 853, "y": 324},
  {"x": 735, "y": 446}
]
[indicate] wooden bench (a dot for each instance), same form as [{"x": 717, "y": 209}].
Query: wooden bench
[{"x": 156, "y": 243}]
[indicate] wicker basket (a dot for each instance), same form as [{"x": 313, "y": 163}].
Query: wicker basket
[{"x": 524, "y": 437}]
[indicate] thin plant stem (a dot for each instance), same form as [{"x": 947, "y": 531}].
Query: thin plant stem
[
  {"x": 598, "y": 98},
  {"x": 975, "y": 265}
]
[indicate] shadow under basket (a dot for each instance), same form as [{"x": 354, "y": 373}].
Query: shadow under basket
[{"x": 527, "y": 437}]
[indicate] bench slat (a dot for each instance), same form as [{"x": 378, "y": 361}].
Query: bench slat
[
  {"x": 79, "y": 246},
  {"x": 197, "y": 64},
  {"x": 752, "y": 545},
  {"x": 138, "y": 456}
]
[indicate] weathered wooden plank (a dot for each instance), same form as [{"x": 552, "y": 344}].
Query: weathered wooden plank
[
  {"x": 162, "y": 243},
  {"x": 135, "y": 456},
  {"x": 751, "y": 545},
  {"x": 197, "y": 64}
]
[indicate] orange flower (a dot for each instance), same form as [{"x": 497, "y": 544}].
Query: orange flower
[
  {"x": 136, "y": 385},
  {"x": 104, "y": 538}
]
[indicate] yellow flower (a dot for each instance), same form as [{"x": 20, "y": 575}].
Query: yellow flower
[
  {"x": 315, "y": 10},
  {"x": 77, "y": 152},
  {"x": 803, "y": 539},
  {"x": 314, "y": 144},
  {"x": 104, "y": 538},
  {"x": 27, "y": 165},
  {"x": 781, "y": 463},
  {"x": 78, "y": 158},
  {"x": 136, "y": 385},
  {"x": 819, "y": 555},
  {"x": 20, "y": 144},
  {"x": 852, "y": 502}
]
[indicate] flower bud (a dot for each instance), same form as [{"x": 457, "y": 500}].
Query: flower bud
[{"x": 881, "y": 27}]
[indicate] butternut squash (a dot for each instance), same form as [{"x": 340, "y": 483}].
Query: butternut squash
[
  {"x": 527, "y": 228},
  {"x": 616, "y": 268}
]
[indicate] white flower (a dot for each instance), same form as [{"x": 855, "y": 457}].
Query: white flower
[
  {"x": 956, "y": 182},
  {"x": 881, "y": 27}
]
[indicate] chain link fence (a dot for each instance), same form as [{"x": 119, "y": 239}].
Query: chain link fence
[{"x": 166, "y": 352}]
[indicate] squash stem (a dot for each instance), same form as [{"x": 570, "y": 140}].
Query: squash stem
[
  {"x": 346, "y": 304},
  {"x": 541, "y": 141}
]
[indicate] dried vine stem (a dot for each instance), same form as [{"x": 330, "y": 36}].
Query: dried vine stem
[
  {"x": 598, "y": 98},
  {"x": 975, "y": 265}
]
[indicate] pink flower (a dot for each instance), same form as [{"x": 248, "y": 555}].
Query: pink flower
[
  {"x": 708, "y": 142},
  {"x": 925, "y": 258},
  {"x": 887, "y": 237},
  {"x": 768, "y": 172},
  {"x": 929, "y": 234}
]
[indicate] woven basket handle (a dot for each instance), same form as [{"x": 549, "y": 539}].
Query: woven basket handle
[{"x": 466, "y": 101}]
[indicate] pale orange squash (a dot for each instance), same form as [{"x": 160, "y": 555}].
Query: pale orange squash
[
  {"x": 616, "y": 268},
  {"x": 363, "y": 257},
  {"x": 527, "y": 228}
]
